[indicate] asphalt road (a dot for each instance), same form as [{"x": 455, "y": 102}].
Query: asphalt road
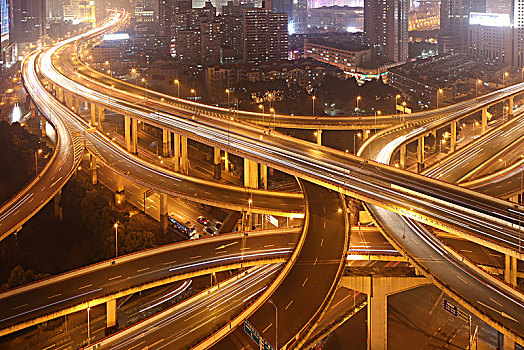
[{"x": 70, "y": 289}]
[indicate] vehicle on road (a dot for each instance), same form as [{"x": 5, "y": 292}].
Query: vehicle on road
[{"x": 202, "y": 220}]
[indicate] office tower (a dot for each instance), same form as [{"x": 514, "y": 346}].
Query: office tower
[
  {"x": 277, "y": 36},
  {"x": 55, "y": 9},
  {"x": 454, "y": 23},
  {"x": 172, "y": 15},
  {"x": 27, "y": 21},
  {"x": 265, "y": 35},
  {"x": 233, "y": 32},
  {"x": 386, "y": 28}
]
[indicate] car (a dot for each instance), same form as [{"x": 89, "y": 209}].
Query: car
[
  {"x": 218, "y": 225},
  {"x": 202, "y": 220},
  {"x": 210, "y": 231}
]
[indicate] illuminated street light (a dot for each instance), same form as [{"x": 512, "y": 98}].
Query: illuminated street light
[
  {"x": 177, "y": 83},
  {"x": 506, "y": 74},
  {"x": 358, "y": 100},
  {"x": 477, "y": 87},
  {"x": 193, "y": 91},
  {"x": 313, "y": 98},
  {"x": 439, "y": 92},
  {"x": 396, "y": 103},
  {"x": 116, "y": 238},
  {"x": 36, "y": 161},
  {"x": 227, "y": 92},
  {"x": 355, "y": 142}
]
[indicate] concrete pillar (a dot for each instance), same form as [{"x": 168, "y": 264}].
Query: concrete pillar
[
  {"x": 77, "y": 104},
  {"x": 510, "y": 105},
  {"x": 250, "y": 173},
  {"x": 420, "y": 154},
  {"x": 184, "y": 160},
  {"x": 43, "y": 123},
  {"x": 93, "y": 169},
  {"x": 318, "y": 134},
  {"x": 68, "y": 100},
  {"x": 378, "y": 289},
  {"x": 134, "y": 135},
  {"x": 509, "y": 344},
  {"x": 57, "y": 207},
  {"x": 263, "y": 176},
  {"x": 101, "y": 118},
  {"x": 111, "y": 313},
  {"x": 166, "y": 143},
  {"x": 484, "y": 121},
  {"x": 226, "y": 161},
  {"x": 120, "y": 195},
  {"x": 403, "y": 153},
  {"x": 510, "y": 270},
  {"x": 217, "y": 163},
  {"x": 127, "y": 131},
  {"x": 177, "y": 151},
  {"x": 453, "y": 141},
  {"x": 93, "y": 114},
  {"x": 163, "y": 211}
]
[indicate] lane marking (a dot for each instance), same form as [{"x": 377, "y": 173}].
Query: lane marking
[
  {"x": 171, "y": 262},
  {"x": 18, "y": 307},
  {"x": 268, "y": 326},
  {"x": 114, "y": 278},
  {"x": 195, "y": 257},
  {"x": 144, "y": 269},
  {"x": 54, "y": 296},
  {"x": 89, "y": 285},
  {"x": 305, "y": 281},
  {"x": 288, "y": 305}
]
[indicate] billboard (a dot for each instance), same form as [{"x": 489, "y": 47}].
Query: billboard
[{"x": 490, "y": 19}]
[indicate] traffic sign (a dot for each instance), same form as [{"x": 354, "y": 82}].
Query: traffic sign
[
  {"x": 255, "y": 336},
  {"x": 451, "y": 308}
]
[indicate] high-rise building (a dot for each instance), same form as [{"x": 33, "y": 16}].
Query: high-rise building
[
  {"x": 27, "y": 21},
  {"x": 4, "y": 29},
  {"x": 265, "y": 35},
  {"x": 55, "y": 9},
  {"x": 454, "y": 23},
  {"x": 386, "y": 24}
]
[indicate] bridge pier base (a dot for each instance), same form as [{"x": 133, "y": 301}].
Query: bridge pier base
[
  {"x": 93, "y": 169},
  {"x": 318, "y": 134},
  {"x": 120, "y": 195},
  {"x": 111, "y": 313},
  {"x": 378, "y": 289},
  {"x": 484, "y": 121},
  {"x": 420, "y": 154},
  {"x": 510, "y": 270},
  {"x": 217, "y": 173}
]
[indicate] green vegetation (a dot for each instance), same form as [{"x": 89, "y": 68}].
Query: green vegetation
[{"x": 17, "y": 158}]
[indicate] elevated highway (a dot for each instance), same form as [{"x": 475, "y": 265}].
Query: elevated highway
[{"x": 97, "y": 284}]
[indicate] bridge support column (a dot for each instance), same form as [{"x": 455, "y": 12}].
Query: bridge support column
[
  {"x": 93, "y": 169},
  {"x": 163, "y": 212},
  {"x": 420, "y": 154},
  {"x": 101, "y": 118},
  {"x": 226, "y": 161},
  {"x": 510, "y": 270},
  {"x": 453, "y": 141},
  {"x": 184, "y": 160},
  {"x": 403, "y": 153},
  {"x": 510, "y": 105},
  {"x": 318, "y": 134},
  {"x": 217, "y": 173},
  {"x": 484, "y": 121},
  {"x": 378, "y": 289},
  {"x": 166, "y": 143},
  {"x": 176, "y": 144},
  {"x": 131, "y": 134},
  {"x": 120, "y": 195},
  {"x": 93, "y": 114},
  {"x": 251, "y": 181},
  {"x": 69, "y": 100},
  {"x": 111, "y": 313},
  {"x": 77, "y": 104},
  {"x": 57, "y": 207},
  {"x": 263, "y": 176}
]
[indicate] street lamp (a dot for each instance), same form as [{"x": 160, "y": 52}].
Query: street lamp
[
  {"x": 276, "y": 323},
  {"x": 439, "y": 92},
  {"x": 116, "y": 239},
  {"x": 355, "y": 142},
  {"x": 505, "y": 162},
  {"x": 36, "y": 161},
  {"x": 270, "y": 98},
  {"x": 133, "y": 71},
  {"x": 358, "y": 99},
  {"x": 404, "y": 112},
  {"x": 443, "y": 141},
  {"x": 178, "y": 87},
  {"x": 377, "y": 113},
  {"x": 261, "y": 106},
  {"x": 396, "y": 103},
  {"x": 504, "y": 112},
  {"x": 88, "y": 327},
  {"x": 272, "y": 110},
  {"x": 506, "y": 74},
  {"x": 313, "y": 98},
  {"x": 227, "y": 92},
  {"x": 477, "y": 87},
  {"x": 193, "y": 91}
]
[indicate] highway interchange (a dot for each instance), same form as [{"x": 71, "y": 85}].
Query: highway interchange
[{"x": 363, "y": 179}]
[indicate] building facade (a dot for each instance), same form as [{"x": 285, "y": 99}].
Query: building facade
[{"x": 343, "y": 56}]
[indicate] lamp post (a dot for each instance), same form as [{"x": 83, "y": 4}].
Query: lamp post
[
  {"x": 358, "y": 100},
  {"x": 377, "y": 113},
  {"x": 439, "y": 92},
  {"x": 37, "y": 152},
  {"x": 313, "y": 98},
  {"x": 443, "y": 141},
  {"x": 270, "y": 98},
  {"x": 133, "y": 71},
  {"x": 396, "y": 103},
  {"x": 404, "y": 112},
  {"x": 177, "y": 82},
  {"x": 261, "y": 106},
  {"x": 227, "y": 92},
  {"x": 88, "y": 327},
  {"x": 116, "y": 239},
  {"x": 355, "y": 142},
  {"x": 477, "y": 87},
  {"x": 276, "y": 323},
  {"x": 144, "y": 81},
  {"x": 193, "y": 91},
  {"x": 506, "y": 74},
  {"x": 504, "y": 112},
  {"x": 502, "y": 160},
  {"x": 272, "y": 110}
]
